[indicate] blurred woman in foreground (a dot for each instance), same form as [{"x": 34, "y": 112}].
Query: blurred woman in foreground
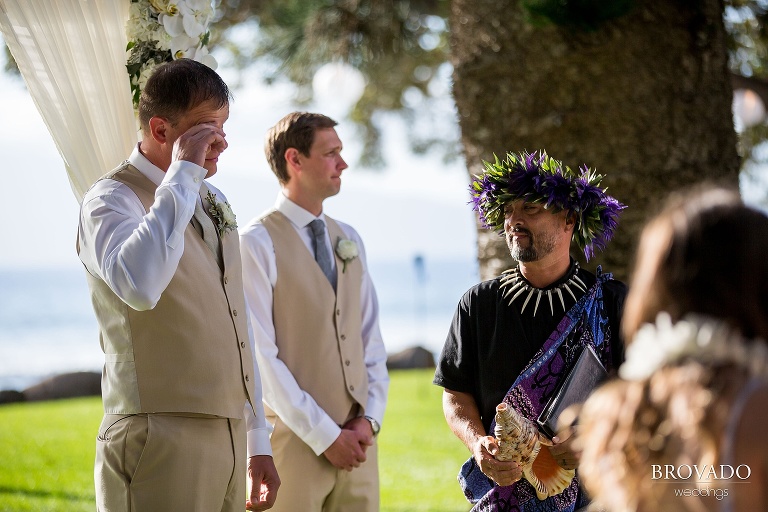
[{"x": 684, "y": 427}]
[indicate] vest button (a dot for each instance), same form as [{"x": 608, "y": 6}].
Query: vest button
[
  {"x": 343, "y": 337},
  {"x": 247, "y": 378},
  {"x": 226, "y": 279},
  {"x": 234, "y": 312},
  {"x": 242, "y": 344},
  {"x": 346, "y": 362},
  {"x": 351, "y": 388},
  {"x": 338, "y": 312}
]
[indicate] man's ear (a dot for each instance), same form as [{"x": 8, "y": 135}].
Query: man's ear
[
  {"x": 292, "y": 159},
  {"x": 158, "y": 127},
  {"x": 570, "y": 220}
]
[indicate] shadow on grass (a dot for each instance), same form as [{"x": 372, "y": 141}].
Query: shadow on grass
[{"x": 44, "y": 493}]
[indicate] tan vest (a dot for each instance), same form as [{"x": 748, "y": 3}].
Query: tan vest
[
  {"x": 190, "y": 353},
  {"x": 318, "y": 332}
]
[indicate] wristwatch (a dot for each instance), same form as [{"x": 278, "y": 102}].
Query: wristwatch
[{"x": 374, "y": 425}]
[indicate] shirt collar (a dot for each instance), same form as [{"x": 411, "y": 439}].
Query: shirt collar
[
  {"x": 295, "y": 213},
  {"x": 145, "y": 167}
]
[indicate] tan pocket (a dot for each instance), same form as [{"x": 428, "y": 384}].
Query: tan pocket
[{"x": 135, "y": 444}]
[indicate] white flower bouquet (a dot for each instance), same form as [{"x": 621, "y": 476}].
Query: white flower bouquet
[{"x": 163, "y": 30}]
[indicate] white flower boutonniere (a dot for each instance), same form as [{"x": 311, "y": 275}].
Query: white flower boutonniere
[
  {"x": 346, "y": 250},
  {"x": 222, "y": 213}
]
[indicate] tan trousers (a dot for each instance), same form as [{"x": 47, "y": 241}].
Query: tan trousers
[
  {"x": 163, "y": 463},
  {"x": 309, "y": 483}
]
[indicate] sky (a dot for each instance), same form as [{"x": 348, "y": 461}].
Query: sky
[{"x": 416, "y": 205}]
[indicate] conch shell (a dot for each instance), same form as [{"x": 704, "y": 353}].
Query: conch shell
[{"x": 519, "y": 441}]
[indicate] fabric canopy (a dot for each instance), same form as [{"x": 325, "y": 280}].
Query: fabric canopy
[{"x": 71, "y": 54}]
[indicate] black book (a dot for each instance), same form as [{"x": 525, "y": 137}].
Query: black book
[{"x": 586, "y": 374}]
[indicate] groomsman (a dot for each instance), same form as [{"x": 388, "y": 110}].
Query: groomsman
[
  {"x": 179, "y": 385},
  {"x": 314, "y": 311}
]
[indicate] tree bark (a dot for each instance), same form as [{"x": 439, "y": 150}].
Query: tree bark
[{"x": 645, "y": 99}]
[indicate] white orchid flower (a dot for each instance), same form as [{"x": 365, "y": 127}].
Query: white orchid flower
[
  {"x": 196, "y": 16},
  {"x": 183, "y": 46},
  {"x": 172, "y": 20},
  {"x": 202, "y": 56}
]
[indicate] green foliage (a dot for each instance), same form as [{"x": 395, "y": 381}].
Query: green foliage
[
  {"x": 398, "y": 45},
  {"x": 389, "y": 42},
  {"x": 745, "y": 22},
  {"x": 141, "y": 53},
  {"x": 584, "y": 15},
  {"x": 48, "y": 450}
]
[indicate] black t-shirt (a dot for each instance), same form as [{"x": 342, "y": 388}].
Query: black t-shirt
[{"x": 490, "y": 342}]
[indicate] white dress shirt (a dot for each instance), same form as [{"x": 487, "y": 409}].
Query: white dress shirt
[
  {"x": 282, "y": 394},
  {"x": 137, "y": 252}
]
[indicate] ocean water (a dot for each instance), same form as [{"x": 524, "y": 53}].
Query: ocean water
[{"x": 47, "y": 325}]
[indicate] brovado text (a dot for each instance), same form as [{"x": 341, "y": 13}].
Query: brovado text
[{"x": 705, "y": 472}]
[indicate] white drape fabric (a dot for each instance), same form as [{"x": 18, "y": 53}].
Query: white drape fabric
[{"x": 72, "y": 55}]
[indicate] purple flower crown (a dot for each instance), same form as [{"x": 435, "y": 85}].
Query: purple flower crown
[{"x": 538, "y": 178}]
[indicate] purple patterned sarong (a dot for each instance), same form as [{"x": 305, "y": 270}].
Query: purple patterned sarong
[{"x": 584, "y": 324}]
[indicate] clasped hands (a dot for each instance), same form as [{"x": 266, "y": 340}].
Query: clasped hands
[
  {"x": 506, "y": 473},
  {"x": 348, "y": 450}
]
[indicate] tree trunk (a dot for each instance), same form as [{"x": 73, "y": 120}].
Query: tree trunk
[{"x": 645, "y": 99}]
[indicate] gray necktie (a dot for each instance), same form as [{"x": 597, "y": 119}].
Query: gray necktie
[
  {"x": 210, "y": 237},
  {"x": 322, "y": 256}
]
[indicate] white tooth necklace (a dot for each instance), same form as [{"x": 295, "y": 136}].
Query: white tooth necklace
[{"x": 514, "y": 284}]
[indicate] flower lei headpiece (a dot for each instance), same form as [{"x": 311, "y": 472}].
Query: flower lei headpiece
[
  {"x": 164, "y": 30},
  {"x": 538, "y": 178}
]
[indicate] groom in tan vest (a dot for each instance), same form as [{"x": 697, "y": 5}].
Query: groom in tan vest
[
  {"x": 161, "y": 252},
  {"x": 315, "y": 318}
]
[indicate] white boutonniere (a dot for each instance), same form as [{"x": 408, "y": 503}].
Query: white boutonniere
[
  {"x": 346, "y": 250},
  {"x": 222, "y": 213}
]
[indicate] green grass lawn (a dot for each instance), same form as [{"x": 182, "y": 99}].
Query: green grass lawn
[
  {"x": 47, "y": 451},
  {"x": 46, "y": 455}
]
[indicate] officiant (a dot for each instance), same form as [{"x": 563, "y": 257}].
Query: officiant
[{"x": 514, "y": 338}]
